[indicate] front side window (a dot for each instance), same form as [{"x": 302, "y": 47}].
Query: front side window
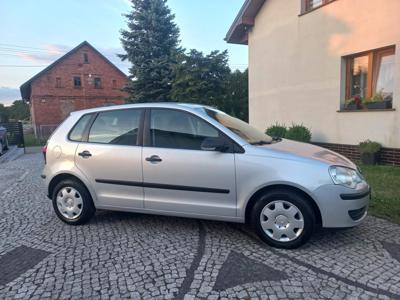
[
  {"x": 77, "y": 82},
  {"x": 240, "y": 128},
  {"x": 117, "y": 127},
  {"x": 178, "y": 130},
  {"x": 76, "y": 133},
  {"x": 370, "y": 79}
]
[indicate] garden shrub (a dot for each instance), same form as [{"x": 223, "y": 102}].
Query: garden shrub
[
  {"x": 276, "y": 130},
  {"x": 299, "y": 133}
]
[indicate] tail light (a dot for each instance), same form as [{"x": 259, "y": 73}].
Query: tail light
[{"x": 44, "y": 151}]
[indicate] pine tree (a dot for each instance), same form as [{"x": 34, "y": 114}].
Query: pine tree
[
  {"x": 151, "y": 43},
  {"x": 200, "y": 78}
]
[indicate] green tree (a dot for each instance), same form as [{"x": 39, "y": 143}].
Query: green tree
[
  {"x": 200, "y": 78},
  {"x": 236, "y": 101},
  {"x": 151, "y": 43},
  {"x": 4, "y": 114},
  {"x": 19, "y": 110}
]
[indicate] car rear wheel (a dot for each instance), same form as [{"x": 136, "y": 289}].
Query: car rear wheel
[
  {"x": 72, "y": 202},
  {"x": 283, "y": 219}
]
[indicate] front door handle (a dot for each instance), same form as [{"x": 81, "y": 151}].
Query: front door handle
[
  {"x": 154, "y": 159},
  {"x": 85, "y": 154}
]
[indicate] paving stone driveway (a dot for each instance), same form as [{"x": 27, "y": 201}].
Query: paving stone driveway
[{"x": 122, "y": 255}]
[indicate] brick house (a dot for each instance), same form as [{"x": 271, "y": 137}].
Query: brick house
[{"x": 82, "y": 78}]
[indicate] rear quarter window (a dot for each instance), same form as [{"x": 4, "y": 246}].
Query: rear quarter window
[{"x": 77, "y": 131}]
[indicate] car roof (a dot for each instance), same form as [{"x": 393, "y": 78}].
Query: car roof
[{"x": 176, "y": 105}]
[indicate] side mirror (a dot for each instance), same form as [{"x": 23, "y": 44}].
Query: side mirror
[{"x": 214, "y": 144}]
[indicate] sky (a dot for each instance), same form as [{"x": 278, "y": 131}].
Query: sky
[{"x": 34, "y": 33}]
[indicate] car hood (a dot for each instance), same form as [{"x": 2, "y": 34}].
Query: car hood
[{"x": 307, "y": 151}]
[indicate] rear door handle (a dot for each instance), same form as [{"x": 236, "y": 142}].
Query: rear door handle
[
  {"x": 154, "y": 158},
  {"x": 85, "y": 154}
]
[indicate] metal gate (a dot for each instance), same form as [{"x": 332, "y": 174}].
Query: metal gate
[{"x": 15, "y": 133}]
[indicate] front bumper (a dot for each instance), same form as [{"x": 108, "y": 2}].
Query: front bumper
[{"x": 341, "y": 206}]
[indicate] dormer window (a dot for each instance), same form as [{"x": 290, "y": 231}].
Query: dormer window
[{"x": 85, "y": 58}]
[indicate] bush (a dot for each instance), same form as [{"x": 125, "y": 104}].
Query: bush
[
  {"x": 277, "y": 130},
  {"x": 370, "y": 147},
  {"x": 298, "y": 133}
]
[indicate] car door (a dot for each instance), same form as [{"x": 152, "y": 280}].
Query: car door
[
  {"x": 110, "y": 158},
  {"x": 179, "y": 176}
]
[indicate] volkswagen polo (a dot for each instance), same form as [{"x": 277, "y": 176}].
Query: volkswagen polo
[{"x": 195, "y": 161}]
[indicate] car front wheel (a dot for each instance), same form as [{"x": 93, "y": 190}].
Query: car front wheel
[
  {"x": 72, "y": 202},
  {"x": 283, "y": 219}
]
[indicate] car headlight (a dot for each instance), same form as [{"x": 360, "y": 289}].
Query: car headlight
[{"x": 345, "y": 176}]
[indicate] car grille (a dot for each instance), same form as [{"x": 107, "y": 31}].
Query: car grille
[{"x": 357, "y": 214}]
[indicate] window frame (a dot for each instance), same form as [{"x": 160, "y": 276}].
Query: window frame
[
  {"x": 100, "y": 86},
  {"x": 373, "y": 67},
  {"x": 305, "y": 6},
  {"x": 80, "y": 82},
  {"x": 85, "y": 58},
  {"x": 234, "y": 147},
  {"x": 58, "y": 82}
]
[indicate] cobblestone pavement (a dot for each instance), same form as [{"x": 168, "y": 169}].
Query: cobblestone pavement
[{"x": 124, "y": 255}]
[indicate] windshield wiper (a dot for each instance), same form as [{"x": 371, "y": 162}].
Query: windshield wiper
[
  {"x": 260, "y": 143},
  {"x": 276, "y": 139}
]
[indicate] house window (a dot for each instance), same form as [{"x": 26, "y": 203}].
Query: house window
[
  {"x": 85, "y": 58},
  {"x": 370, "y": 79},
  {"x": 114, "y": 84},
  {"x": 97, "y": 83},
  {"x": 58, "y": 82},
  {"x": 309, "y": 5},
  {"x": 77, "y": 82}
]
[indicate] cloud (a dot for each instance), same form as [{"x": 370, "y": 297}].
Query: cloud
[
  {"x": 50, "y": 53},
  {"x": 9, "y": 95}
]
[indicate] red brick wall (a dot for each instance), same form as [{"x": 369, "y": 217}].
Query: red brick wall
[
  {"x": 388, "y": 156},
  {"x": 51, "y": 104}
]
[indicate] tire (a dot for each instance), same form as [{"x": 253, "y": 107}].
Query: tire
[
  {"x": 72, "y": 202},
  {"x": 1, "y": 148},
  {"x": 288, "y": 218}
]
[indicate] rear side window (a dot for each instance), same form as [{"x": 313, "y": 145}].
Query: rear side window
[
  {"x": 76, "y": 133},
  {"x": 118, "y": 127}
]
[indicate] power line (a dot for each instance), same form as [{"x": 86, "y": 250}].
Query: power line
[
  {"x": 22, "y": 66},
  {"x": 26, "y": 47}
]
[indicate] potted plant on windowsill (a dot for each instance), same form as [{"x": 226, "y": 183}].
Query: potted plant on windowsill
[
  {"x": 370, "y": 152},
  {"x": 354, "y": 103},
  {"x": 378, "y": 101}
]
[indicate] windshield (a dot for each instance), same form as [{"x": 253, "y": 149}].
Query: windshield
[{"x": 242, "y": 129}]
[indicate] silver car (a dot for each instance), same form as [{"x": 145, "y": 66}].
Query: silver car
[{"x": 195, "y": 161}]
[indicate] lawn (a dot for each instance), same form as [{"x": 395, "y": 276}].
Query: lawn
[{"x": 385, "y": 183}]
